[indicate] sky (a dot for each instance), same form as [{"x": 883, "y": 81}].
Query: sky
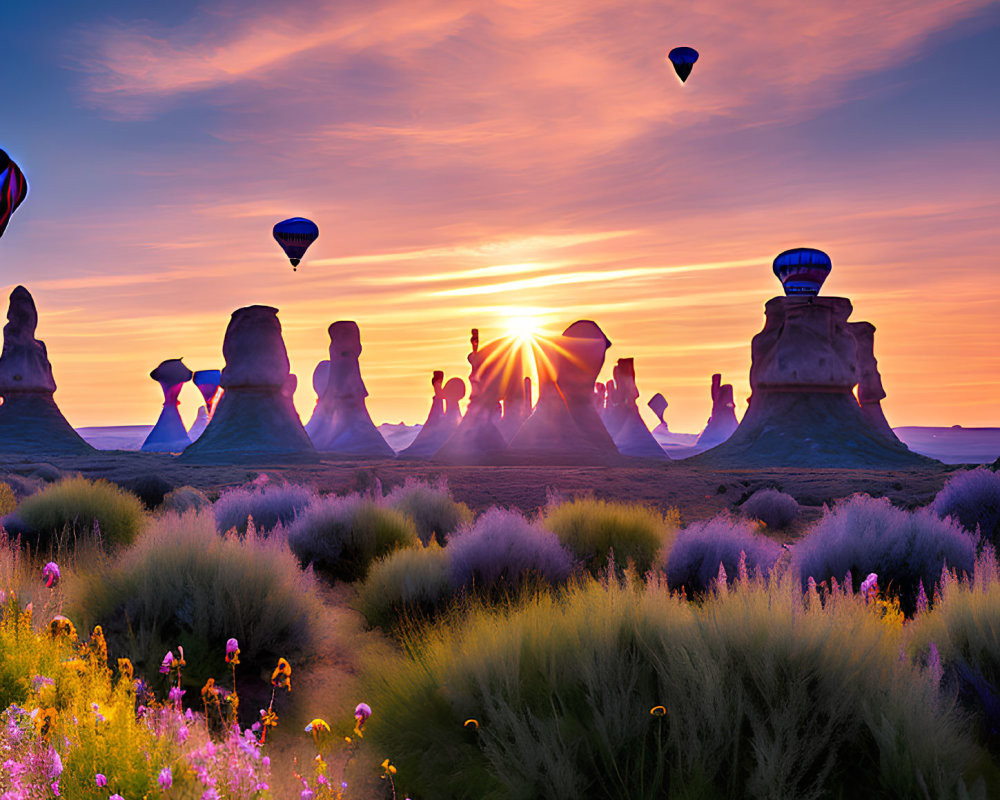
[{"x": 474, "y": 163}]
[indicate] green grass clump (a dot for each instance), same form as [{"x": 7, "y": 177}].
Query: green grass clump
[
  {"x": 341, "y": 536},
  {"x": 408, "y": 585},
  {"x": 763, "y": 696},
  {"x": 67, "y": 512},
  {"x": 431, "y": 508},
  {"x": 184, "y": 498},
  {"x": 591, "y": 528},
  {"x": 8, "y": 500},
  {"x": 182, "y": 584}
]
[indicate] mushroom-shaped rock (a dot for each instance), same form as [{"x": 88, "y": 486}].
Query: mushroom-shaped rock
[
  {"x": 658, "y": 405},
  {"x": 477, "y": 438},
  {"x": 442, "y": 420},
  {"x": 169, "y": 434},
  {"x": 722, "y": 421},
  {"x": 341, "y": 422},
  {"x": 565, "y": 426},
  {"x": 30, "y": 420},
  {"x": 802, "y": 410},
  {"x": 631, "y": 436},
  {"x": 254, "y": 418},
  {"x": 207, "y": 382}
]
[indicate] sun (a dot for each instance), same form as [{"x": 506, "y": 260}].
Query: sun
[{"x": 523, "y": 328}]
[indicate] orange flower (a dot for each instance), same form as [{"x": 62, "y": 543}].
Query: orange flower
[{"x": 282, "y": 675}]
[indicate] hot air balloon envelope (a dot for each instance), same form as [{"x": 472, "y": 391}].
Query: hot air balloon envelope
[
  {"x": 683, "y": 59},
  {"x": 802, "y": 270},
  {"x": 13, "y": 189},
  {"x": 295, "y": 235}
]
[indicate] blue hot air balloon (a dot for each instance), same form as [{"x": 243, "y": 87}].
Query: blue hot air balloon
[
  {"x": 683, "y": 59},
  {"x": 802, "y": 270},
  {"x": 295, "y": 235},
  {"x": 13, "y": 189}
]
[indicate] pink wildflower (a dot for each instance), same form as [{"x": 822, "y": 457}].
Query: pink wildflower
[
  {"x": 869, "y": 587},
  {"x": 100, "y": 780},
  {"x": 50, "y": 574},
  {"x": 165, "y": 779}
]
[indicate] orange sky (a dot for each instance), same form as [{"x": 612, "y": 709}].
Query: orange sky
[{"x": 468, "y": 163}]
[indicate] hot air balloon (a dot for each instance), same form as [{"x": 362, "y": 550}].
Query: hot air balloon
[
  {"x": 802, "y": 270},
  {"x": 13, "y": 189},
  {"x": 683, "y": 59},
  {"x": 295, "y": 235}
]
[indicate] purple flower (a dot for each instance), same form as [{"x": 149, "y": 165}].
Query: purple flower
[
  {"x": 116, "y": 796},
  {"x": 921, "y": 598},
  {"x": 55, "y": 766},
  {"x": 168, "y": 662},
  {"x": 362, "y": 711},
  {"x": 307, "y": 794},
  {"x": 232, "y": 649},
  {"x": 165, "y": 779},
  {"x": 869, "y": 587},
  {"x": 100, "y": 780},
  {"x": 50, "y": 574},
  {"x": 175, "y": 694}
]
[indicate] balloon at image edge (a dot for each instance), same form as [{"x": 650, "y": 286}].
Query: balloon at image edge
[
  {"x": 13, "y": 189},
  {"x": 295, "y": 235},
  {"x": 683, "y": 59}
]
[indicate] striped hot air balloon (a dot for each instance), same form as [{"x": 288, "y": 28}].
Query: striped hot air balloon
[
  {"x": 802, "y": 270},
  {"x": 13, "y": 189},
  {"x": 295, "y": 235}
]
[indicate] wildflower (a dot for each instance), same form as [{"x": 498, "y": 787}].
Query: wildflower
[
  {"x": 100, "y": 780},
  {"x": 168, "y": 662},
  {"x": 61, "y": 626},
  {"x": 55, "y": 767},
  {"x": 40, "y": 681},
  {"x": 175, "y": 694},
  {"x": 282, "y": 675},
  {"x": 473, "y": 723},
  {"x": 232, "y": 652},
  {"x": 165, "y": 779},
  {"x": 125, "y": 669},
  {"x": 50, "y": 574},
  {"x": 387, "y": 769},
  {"x": 317, "y": 727},
  {"x": 361, "y": 714},
  {"x": 116, "y": 796},
  {"x": 921, "y": 598},
  {"x": 44, "y": 719},
  {"x": 869, "y": 587},
  {"x": 658, "y": 711}
]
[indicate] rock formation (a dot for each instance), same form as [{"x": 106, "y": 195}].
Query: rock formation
[
  {"x": 169, "y": 434},
  {"x": 477, "y": 439},
  {"x": 207, "y": 382},
  {"x": 254, "y": 419},
  {"x": 722, "y": 421},
  {"x": 30, "y": 420},
  {"x": 630, "y": 434},
  {"x": 658, "y": 405},
  {"x": 805, "y": 363},
  {"x": 341, "y": 422},
  {"x": 565, "y": 426},
  {"x": 870, "y": 391},
  {"x": 443, "y": 419}
]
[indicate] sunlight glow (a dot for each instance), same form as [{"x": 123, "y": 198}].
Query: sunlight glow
[{"x": 523, "y": 328}]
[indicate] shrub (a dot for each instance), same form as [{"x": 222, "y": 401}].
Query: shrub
[
  {"x": 694, "y": 559},
  {"x": 503, "y": 550},
  {"x": 270, "y": 505},
  {"x": 341, "y": 536},
  {"x": 431, "y": 508},
  {"x": 775, "y": 509},
  {"x": 150, "y": 488},
  {"x": 964, "y": 628},
  {"x": 862, "y": 535},
  {"x": 186, "y": 498},
  {"x": 411, "y": 583},
  {"x": 182, "y": 584},
  {"x": 762, "y": 697},
  {"x": 74, "y": 505},
  {"x": 972, "y": 498},
  {"x": 592, "y": 528},
  {"x": 8, "y": 500}
]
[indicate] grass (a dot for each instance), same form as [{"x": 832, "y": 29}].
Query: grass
[
  {"x": 183, "y": 584},
  {"x": 433, "y": 510},
  {"x": 77, "y": 509},
  {"x": 592, "y": 528}
]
